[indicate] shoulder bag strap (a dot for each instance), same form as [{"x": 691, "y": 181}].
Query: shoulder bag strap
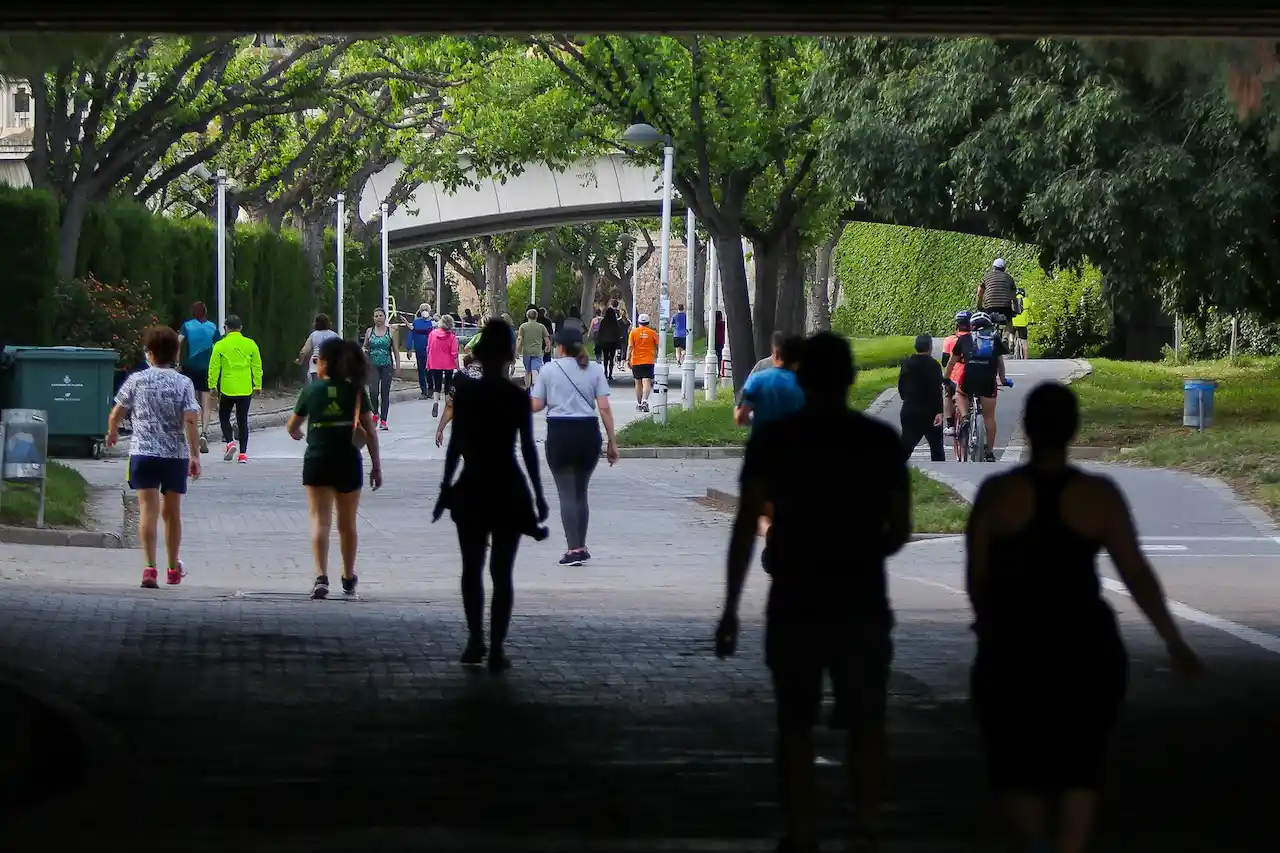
[{"x": 588, "y": 400}]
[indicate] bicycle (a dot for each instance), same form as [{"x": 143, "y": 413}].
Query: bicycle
[{"x": 971, "y": 432}]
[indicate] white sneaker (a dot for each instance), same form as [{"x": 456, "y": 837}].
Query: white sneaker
[{"x": 949, "y": 431}]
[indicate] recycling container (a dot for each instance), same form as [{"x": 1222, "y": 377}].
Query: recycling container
[
  {"x": 1197, "y": 402},
  {"x": 74, "y": 385}
]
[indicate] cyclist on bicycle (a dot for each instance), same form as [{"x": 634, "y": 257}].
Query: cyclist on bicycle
[
  {"x": 995, "y": 292},
  {"x": 982, "y": 354},
  {"x": 951, "y": 372},
  {"x": 1020, "y": 321}
]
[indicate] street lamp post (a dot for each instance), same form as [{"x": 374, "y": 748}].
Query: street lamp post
[
  {"x": 439, "y": 282},
  {"x": 688, "y": 367},
  {"x": 222, "y": 251},
  {"x": 646, "y": 135},
  {"x": 711, "y": 367},
  {"x": 339, "y": 279},
  {"x": 386, "y": 265}
]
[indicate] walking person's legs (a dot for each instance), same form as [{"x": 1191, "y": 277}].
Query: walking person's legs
[
  {"x": 473, "y": 542},
  {"x": 225, "y": 406},
  {"x": 447, "y": 381},
  {"x": 320, "y": 501},
  {"x": 348, "y": 509},
  {"x": 422, "y": 375},
  {"x": 242, "y": 423},
  {"x": 385, "y": 374},
  {"x": 933, "y": 435},
  {"x": 171, "y": 513},
  {"x": 582, "y": 472},
  {"x": 148, "y": 532},
  {"x": 502, "y": 561},
  {"x": 912, "y": 432}
]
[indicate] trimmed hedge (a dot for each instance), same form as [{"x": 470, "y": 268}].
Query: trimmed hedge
[
  {"x": 896, "y": 280},
  {"x": 270, "y": 285}
]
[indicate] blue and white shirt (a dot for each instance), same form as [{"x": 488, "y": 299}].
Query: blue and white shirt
[{"x": 158, "y": 399}]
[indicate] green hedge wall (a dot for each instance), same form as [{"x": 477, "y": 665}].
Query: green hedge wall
[
  {"x": 907, "y": 281},
  {"x": 271, "y": 287}
]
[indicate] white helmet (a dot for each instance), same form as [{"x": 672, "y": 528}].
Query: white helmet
[
  {"x": 998, "y": 263},
  {"x": 980, "y": 320}
]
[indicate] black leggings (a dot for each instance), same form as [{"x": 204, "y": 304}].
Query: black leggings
[
  {"x": 573, "y": 451},
  {"x": 606, "y": 355},
  {"x": 441, "y": 380},
  {"x": 473, "y": 540},
  {"x": 380, "y": 389},
  {"x": 241, "y": 405}
]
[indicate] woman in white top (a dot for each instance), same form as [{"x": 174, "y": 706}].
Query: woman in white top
[
  {"x": 309, "y": 355},
  {"x": 571, "y": 389}
]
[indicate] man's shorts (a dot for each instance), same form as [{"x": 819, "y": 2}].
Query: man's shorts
[
  {"x": 1005, "y": 311},
  {"x": 857, "y": 654},
  {"x": 642, "y": 371},
  {"x": 156, "y": 472},
  {"x": 341, "y": 475},
  {"x": 532, "y": 363},
  {"x": 199, "y": 377},
  {"x": 1021, "y": 332},
  {"x": 679, "y": 343}
]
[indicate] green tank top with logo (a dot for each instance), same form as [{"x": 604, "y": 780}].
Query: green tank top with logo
[{"x": 380, "y": 349}]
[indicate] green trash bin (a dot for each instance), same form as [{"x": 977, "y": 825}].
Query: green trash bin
[{"x": 75, "y": 385}]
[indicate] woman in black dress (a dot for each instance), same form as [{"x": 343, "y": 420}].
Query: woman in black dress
[
  {"x": 608, "y": 339},
  {"x": 490, "y": 503},
  {"x": 1051, "y": 669}
]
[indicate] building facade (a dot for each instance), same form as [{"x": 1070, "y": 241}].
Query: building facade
[{"x": 17, "y": 122}]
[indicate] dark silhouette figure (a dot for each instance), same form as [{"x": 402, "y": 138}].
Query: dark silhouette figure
[
  {"x": 608, "y": 339},
  {"x": 1051, "y": 668},
  {"x": 490, "y": 503},
  {"x": 920, "y": 387},
  {"x": 828, "y": 610}
]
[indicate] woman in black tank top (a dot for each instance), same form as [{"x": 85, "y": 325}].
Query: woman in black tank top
[{"x": 1051, "y": 667}]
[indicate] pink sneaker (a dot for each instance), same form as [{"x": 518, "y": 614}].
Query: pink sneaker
[
  {"x": 243, "y": 458},
  {"x": 149, "y": 579}
]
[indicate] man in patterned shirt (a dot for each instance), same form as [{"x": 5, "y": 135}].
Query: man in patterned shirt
[{"x": 165, "y": 447}]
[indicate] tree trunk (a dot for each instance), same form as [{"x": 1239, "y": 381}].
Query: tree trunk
[
  {"x": 495, "y": 275},
  {"x": 73, "y": 216},
  {"x": 548, "y": 266},
  {"x": 789, "y": 313},
  {"x": 590, "y": 278},
  {"x": 737, "y": 305},
  {"x": 765, "y": 311},
  {"x": 697, "y": 320},
  {"x": 313, "y": 247},
  {"x": 819, "y": 309}
]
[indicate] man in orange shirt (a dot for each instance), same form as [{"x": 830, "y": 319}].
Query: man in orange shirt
[{"x": 642, "y": 354}]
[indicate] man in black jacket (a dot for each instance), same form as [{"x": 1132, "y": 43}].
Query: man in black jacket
[{"x": 920, "y": 387}]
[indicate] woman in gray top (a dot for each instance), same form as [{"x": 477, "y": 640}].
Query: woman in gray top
[
  {"x": 309, "y": 354},
  {"x": 572, "y": 388}
]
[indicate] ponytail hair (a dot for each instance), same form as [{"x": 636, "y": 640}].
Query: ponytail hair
[
  {"x": 577, "y": 352},
  {"x": 345, "y": 361}
]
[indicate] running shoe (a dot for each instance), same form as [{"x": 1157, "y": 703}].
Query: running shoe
[
  {"x": 175, "y": 575},
  {"x": 571, "y": 558},
  {"x": 349, "y": 585},
  {"x": 230, "y": 452},
  {"x": 382, "y": 425},
  {"x": 498, "y": 660},
  {"x": 320, "y": 589},
  {"x": 149, "y": 579},
  {"x": 474, "y": 653},
  {"x": 949, "y": 430},
  {"x": 243, "y": 458},
  {"x": 644, "y": 407},
  {"x": 584, "y": 554},
  {"x": 204, "y": 443}
]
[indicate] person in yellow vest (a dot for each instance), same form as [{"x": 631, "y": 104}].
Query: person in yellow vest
[
  {"x": 235, "y": 372},
  {"x": 1020, "y": 322}
]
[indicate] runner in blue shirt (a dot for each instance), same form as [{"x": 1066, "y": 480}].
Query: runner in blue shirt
[
  {"x": 773, "y": 393},
  {"x": 200, "y": 336},
  {"x": 680, "y": 331}
]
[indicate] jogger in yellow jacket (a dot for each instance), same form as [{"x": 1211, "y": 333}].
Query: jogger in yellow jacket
[{"x": 235, "y": 372}]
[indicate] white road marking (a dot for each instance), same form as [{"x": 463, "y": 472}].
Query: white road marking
[
  {"x": 1150, "y": 547},
  {"x": 1253, "y": 637},
  {"x": 928, "y": 582},
  {"x": 1210, "y": 539}
]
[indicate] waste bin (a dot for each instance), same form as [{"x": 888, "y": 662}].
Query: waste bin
[
  {"x": 1197, "y": 402},
  {"x": 74, "y": 385}
]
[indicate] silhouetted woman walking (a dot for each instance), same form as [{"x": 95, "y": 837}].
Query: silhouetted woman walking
[
  {"x": 490, "y": 503},
  {"x": 1051, "y": 669},
  {"x": 609, "y": 338}
]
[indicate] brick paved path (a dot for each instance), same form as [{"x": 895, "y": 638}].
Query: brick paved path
[{"x": 233, "y": 713}]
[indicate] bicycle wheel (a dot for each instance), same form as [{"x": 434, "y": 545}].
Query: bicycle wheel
[{"x": 977, "y": 438}]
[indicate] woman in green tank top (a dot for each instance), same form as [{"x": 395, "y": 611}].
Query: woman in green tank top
[{"x": 385, "y": 358}]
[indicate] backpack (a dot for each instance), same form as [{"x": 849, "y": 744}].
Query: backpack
[{"x": 982, "y": 348}]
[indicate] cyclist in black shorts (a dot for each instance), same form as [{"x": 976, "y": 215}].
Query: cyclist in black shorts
[{"x": 982, "y": 353}]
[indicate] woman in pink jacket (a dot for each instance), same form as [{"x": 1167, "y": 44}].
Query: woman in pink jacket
[{"x": 442, "y": 360}]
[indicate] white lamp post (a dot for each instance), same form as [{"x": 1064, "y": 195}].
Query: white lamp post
[
  {"x": 688, "y": 369},
  {"x": 711, "y": 366},
  {"x": 339, "y": 278},
  {"x": 533, "y": 281},
  {"x": 386, "y": 265},
  {"x": 645, "y": 135},
  {"x": 222, "y": 251},
  {"x": 439, "y": 282}
]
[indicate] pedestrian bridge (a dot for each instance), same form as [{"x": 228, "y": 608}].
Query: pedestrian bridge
[{"x": 595, "y": 190}]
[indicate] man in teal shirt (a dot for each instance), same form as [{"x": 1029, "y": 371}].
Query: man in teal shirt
[
  {"x": 773, "y": 393},
  {"x": 200, "y": 336}
]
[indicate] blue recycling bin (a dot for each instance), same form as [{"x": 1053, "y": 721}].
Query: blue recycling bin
[{"x": 1197, "y": 402}]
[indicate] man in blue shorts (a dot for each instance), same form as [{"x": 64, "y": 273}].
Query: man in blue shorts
[{"x": 200, "y": 336}]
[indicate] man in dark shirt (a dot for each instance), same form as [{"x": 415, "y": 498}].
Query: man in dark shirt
[
  {"x": 920, "y": 387},
  {"x": 828, "y": 605}
]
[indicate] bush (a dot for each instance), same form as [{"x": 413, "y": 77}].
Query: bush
[
  {"x": 1209, "y": 337},
  {"x": 29, "y": 236},
  {"x": 91, "y": 313},
  {"x": 907, "y": 281},
  {"x": 564, "y": 293}
]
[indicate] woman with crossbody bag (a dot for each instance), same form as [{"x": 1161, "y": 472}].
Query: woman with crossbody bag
[{"x": 571, "y": 389}]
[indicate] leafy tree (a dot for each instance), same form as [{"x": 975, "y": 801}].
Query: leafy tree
[
  {"x": 600, "y": 254},
  {"x": 483, "y": 262},
  {"x": 1087, "y": 158}
]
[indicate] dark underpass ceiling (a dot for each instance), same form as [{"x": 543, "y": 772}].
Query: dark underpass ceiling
[{"x": 818, "y": 17}]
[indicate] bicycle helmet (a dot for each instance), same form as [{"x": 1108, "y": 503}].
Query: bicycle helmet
[
  {"x": 980, "y": 320},
  {"x": 998, "y": 263},
  {"x": 962, "y": 317}
]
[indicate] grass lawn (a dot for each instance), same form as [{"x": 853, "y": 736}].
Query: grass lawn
[
  {"x": 66, "y": 500},
  {"x": 1139, "y": 406},
  {"x": 936, "y": 508}
]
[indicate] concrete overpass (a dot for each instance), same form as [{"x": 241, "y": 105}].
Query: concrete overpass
[{"x": 596, "y": 190}]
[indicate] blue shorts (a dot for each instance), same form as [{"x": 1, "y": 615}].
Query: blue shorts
[
  {"x": 532, "y": 363},
  {"x": 153, "y": 472}
]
